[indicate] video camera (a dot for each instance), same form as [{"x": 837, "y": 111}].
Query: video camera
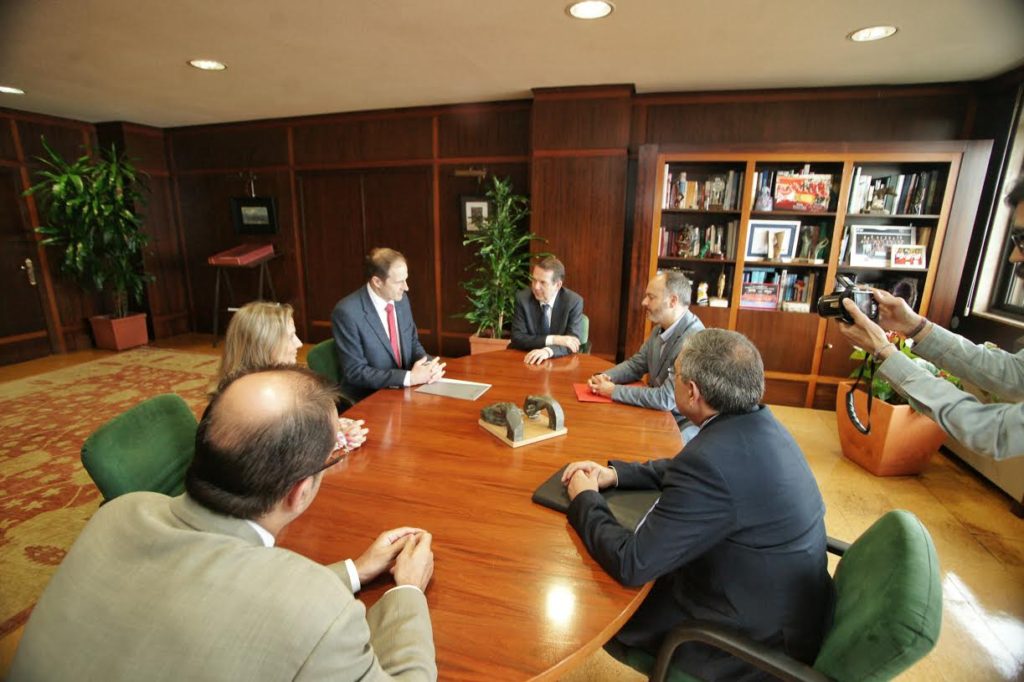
[{"x": 831, "y": 305}]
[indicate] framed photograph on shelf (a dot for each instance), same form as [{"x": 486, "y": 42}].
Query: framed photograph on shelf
[
  {"x": 803, "y": 192},
  {"x": 872, "y": 244},
  {"x": 907, "y": 256},
  {"x": 772, "y": 239},
  {"x": 473, "y": 211}
]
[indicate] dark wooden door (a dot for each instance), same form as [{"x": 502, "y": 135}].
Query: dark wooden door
[{"x": 23, "y": 333}]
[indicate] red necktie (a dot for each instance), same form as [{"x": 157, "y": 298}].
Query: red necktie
[{"x": 393, "y": 332}]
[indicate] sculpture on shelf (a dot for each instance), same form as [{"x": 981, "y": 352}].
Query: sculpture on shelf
[
  {"x": 805, "y": 242},
  {"x": 721, "y": 284},
  {"x": 702, "y": 293},
  {"x": 507, "y": 415},
  {"x": 821, "y": 249},
  {"x": 764, "y": 200},
  {"x": 717, "y": 193},
  {"x": 535, "y": 403}
]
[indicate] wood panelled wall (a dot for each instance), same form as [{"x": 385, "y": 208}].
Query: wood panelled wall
[{"x": 345, "y": 183}]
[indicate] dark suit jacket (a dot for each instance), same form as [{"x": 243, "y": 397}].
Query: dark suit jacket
[
  {"x": 737, "y": 537},
  {"x": 364, "y": 350},
  {"x": 566, "y": 319}
]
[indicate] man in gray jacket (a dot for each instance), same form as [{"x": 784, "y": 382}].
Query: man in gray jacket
[
  {"x": 995, "y": 429},
  {"x": 667, "y": 301}
]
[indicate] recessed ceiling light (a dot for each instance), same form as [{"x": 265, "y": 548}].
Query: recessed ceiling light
[
  {"x": 207, "y": 64},
  {"x": 865, "y": 35},
  {"x": 8, "y": 90},
  {"x": 590, "y": 9}
]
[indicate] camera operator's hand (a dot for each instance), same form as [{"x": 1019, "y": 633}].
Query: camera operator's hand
[
  {"x": 865, "y": 333},
  {"x": 894, "y": 313}
]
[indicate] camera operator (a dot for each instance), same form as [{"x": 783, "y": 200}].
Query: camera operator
[{"x": 996, "y": 429}]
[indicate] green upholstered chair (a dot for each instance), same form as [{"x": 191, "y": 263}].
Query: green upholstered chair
[
  {"x": 584, "y": 334},
  {"x": 887, "y": 617},
  {"x": 149, "y": 447},
  {"x": 323, "y": 359}
]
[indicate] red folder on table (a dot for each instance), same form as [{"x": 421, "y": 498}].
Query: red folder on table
[{"x": 584, "y": 395}]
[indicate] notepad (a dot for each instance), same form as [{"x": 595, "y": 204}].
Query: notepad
[
  {"x": 455, "y": 388},
  {"x": 628, "y": 507}
]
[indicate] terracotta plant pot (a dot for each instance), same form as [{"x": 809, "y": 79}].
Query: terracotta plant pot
[
  {"x": 901, "y": 441},
  {"x": 119, "y": 333},
  {"x": 485, "y": 344}
]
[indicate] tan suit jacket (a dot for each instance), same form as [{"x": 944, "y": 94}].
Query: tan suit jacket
[{"x": 160, "y": 588}]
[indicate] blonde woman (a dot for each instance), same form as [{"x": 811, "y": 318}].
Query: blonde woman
[{"x": 262, "y": 333}]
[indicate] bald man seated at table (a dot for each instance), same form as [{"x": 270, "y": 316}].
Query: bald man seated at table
[{"x": 193, "y": 588}]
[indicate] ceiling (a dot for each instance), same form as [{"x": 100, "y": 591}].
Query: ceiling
[{"x": 125, "y": 60}]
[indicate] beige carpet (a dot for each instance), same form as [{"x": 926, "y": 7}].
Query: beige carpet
[{"x": 46, "y": 496}]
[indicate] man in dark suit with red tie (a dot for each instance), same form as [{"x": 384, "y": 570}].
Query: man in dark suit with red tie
[
  {"x": 375, "y": 334},
  {"x": 548, "y": 320}
]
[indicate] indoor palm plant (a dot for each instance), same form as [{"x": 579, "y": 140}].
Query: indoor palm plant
[
  {"x": 501, "y": 267},
  {"x": 901, "y": 440},
  {"x": 90, "y": 209}
]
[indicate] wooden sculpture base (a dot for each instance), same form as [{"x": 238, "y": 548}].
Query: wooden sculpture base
[{"x": 533, "y": 432}]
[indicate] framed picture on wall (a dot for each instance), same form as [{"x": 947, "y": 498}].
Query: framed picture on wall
[{"x": 473, "y": 211}]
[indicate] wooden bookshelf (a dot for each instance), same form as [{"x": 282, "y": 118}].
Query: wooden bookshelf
[{"x": 912, "y": 190}]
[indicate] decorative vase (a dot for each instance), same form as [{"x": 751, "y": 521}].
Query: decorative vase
[
  {"x": 119, "y": 333},
  {"x": 902, "y": 440},
  {"x": 485, "y": 344}
]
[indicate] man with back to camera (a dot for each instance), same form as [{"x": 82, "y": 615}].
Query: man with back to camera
[
  {"x": 193, "y": 588},
  {"x": 737, "y": 536},
  {"x": 375, "y": 334},
  {"x": 667, "y": 302},
  {"x": 548, "y": 320},
  {"x": 995, "y": 429}
]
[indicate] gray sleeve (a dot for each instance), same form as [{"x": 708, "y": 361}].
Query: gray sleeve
[
  {"x": 654, "y": 397},
  {"x": 996, "y": 430},
  {"x": 992, "y": 369},
  {"x": 634, "y": 368}
]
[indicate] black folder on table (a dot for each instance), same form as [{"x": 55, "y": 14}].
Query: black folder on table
[{"x": 627, "y": 506}]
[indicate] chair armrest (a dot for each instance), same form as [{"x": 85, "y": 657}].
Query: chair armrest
[
  {"x": 837, "y": 547},
  {"x": 757, "y": 654}
]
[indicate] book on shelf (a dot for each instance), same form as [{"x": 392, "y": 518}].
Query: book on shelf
[
  {"x": 759, "y": 295},
  {"x": 789, "y": 286},
  {"x": 904, "y": 193},
  {"x": 796, "y": 307},
  {"x": 713, "y": 242},
  {"x": 716, "y": 191}
]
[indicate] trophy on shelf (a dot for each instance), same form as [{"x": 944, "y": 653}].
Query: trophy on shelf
[{"x": 719, "y": 301}]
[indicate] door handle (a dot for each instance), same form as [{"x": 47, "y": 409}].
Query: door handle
[{"x": 30, "y": 271}]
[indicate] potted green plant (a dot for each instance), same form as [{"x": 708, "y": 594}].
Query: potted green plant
[
  {"x": 901, "y": 441},
  {"x": 90, "y": 207},
  {"x": 501, "y": 267}
]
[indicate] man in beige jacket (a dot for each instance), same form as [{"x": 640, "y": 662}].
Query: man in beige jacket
[{"x": 192, "y": 587}]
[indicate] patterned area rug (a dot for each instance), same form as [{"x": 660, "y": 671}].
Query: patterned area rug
[{"x": 46, "y": 496}]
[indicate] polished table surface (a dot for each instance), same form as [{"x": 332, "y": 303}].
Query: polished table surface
[{"x": 515, "y": 594}]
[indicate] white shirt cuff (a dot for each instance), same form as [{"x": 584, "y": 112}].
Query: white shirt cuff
[
  {"x": 408, "y": 379},
  {"x": 399, "y": 587},
  {"x": 353, "y": 575}
]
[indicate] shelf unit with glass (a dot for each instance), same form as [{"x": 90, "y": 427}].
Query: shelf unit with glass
[{"x": 763, "y": 233}]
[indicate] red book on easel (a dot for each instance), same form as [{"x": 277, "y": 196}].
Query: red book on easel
[{"x": 242, "y": 255}]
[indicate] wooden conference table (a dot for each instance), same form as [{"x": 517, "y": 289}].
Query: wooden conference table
[{"x": 515, "y": 594}]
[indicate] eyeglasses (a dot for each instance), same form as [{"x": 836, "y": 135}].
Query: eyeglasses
[
  {"x": 340, "y": 451},
  {"x": 1017, "y": 237}
]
